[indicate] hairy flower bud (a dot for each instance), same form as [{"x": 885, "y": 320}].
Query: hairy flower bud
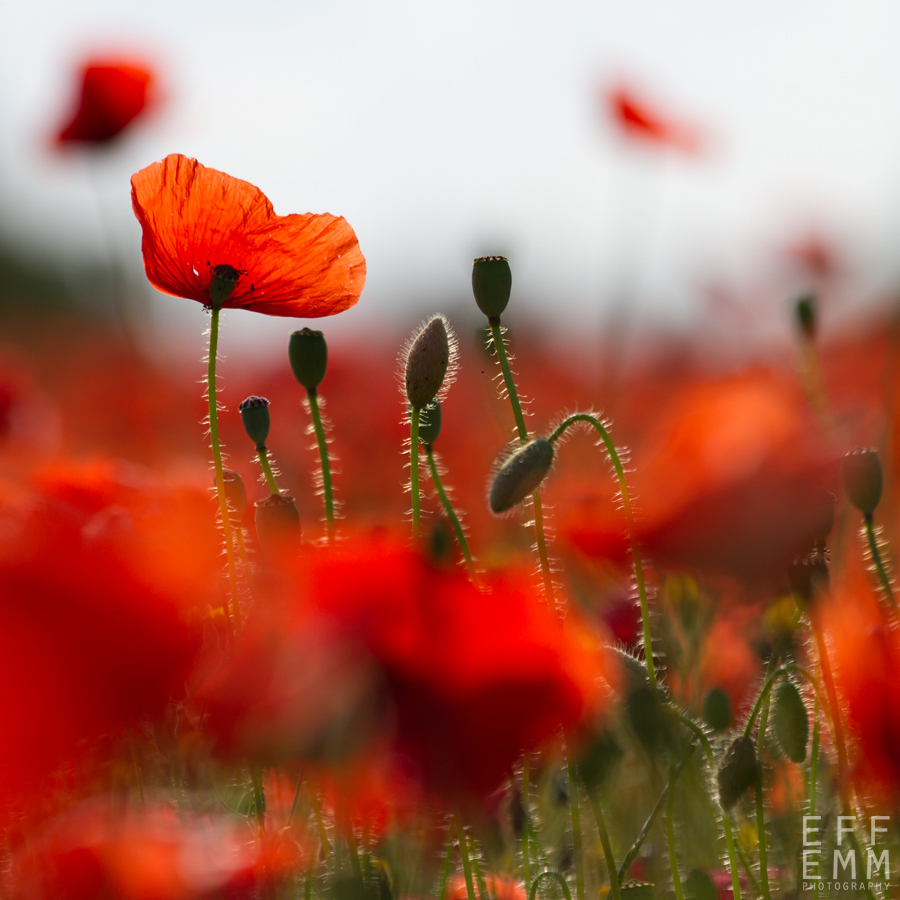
[
  {"x": 520, "y": 475},
  {"x": 717, "y": 709},
  {"x": 255, "y": 416},
  {"x": 491, "y": 284},
  {"x": 277, "y": 525},
  {"x": 235, "y": 492},
  {"x": 430, "y": 424},
  {"x": 738, "y": 771},
  {"x": 426, "y": 363},
  {"x": 308, "y": 354},
  {"x": 861, "y": 477},
  {"x": 790, "y": 721}
]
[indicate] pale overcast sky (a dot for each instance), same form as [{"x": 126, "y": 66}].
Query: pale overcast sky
[{"x": 444, "y": 130}]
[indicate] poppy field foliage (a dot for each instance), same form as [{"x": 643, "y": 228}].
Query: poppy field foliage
[{"x": 384, "y": 628}]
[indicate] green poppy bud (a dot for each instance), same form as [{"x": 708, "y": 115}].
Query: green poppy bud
[
  {"x": 738, "y": 771},
  {"x": 430, "y": 424},
  {"x": 861, "y": 477},
  {"x": 235, "y": 492},
  {"x": 491, "y": 284},
  {"x": 277, "y": 525},
  {"x": 308, "y": 354},
  {"x": 520, "y": 475},
  {"x": 600, "y": 758},
  {"x": 427, "y": 360},
  {"x": 255, "y": 416},
  {"x": 699, "y": 886},
  {"x": 790, "y": 721},
  {"x": 806, "y": 309},
  {"x": 221, "y": 284},
  {"x": 717, "y": 709},
  {"x": 637, "y": 890}
]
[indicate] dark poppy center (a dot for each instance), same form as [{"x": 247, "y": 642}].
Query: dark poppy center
[{"x": 221, "y": 283}]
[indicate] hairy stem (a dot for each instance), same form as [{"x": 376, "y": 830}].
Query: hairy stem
[
  {"x": 414, "y": 471},
  {"x": 577, "y": 850},
  {"x": 217, "y": 463},
  {"x": 670, "y": 835},
  {"x": 262, "y": 454},
  {"x": 448, "y": 507},
  {"x": 464, "y": 855},
  {"x": 613, "y": 454},
  {"x": 325, "y": 461},
  {"x": 878, "y": 561}
]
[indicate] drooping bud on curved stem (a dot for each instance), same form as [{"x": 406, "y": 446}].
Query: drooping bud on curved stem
[
  {"x": 308, "y": 354},
  {"x": 520, "y": 475}
]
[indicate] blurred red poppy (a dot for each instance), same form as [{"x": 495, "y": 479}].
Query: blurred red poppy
[
  {"x": 113, "y": 94},
  {"x": 102, "y": 851},
  {"x": 196, "y": 220},
  {"x": 101, "y": 572},
  {"x": 469, "y": 675},
  {"x": 641, "y": 122}
]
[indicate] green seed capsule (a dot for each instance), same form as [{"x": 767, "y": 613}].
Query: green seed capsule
[
  {"x": 426, "y": 363},
  {"x": 222, "y": 282},
  {"x": 638, "y": 890},
  {"x": 277, "y": 525},
  {"x": 861, "y": 477},
  {"x": 717, "y": 709},
  {"x": 520, "y": 475},
  {"x": 430, "y": 424},
  {"x": 738, "y": 771},
  {"x": 308, "y": 354},
  {"x": 790, "y": 721},
  {"x": 491, "y": 284},
  {"x": 255, "y": 416},
  {"x": 806, "y": 309}
]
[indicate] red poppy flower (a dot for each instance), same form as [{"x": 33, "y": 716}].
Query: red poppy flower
[
  {"x": 113, "y": 94},
  {"x": 99, "y": 573},
  {"x": 197, "y": 221},
  {"x": 641, "y": 122},
  {"x": 468, "y": 676}
]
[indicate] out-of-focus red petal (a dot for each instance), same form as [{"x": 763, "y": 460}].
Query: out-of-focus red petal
[{"x": 194, "y": 218}]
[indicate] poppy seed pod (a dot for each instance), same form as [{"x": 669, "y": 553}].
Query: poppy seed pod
[
  {"x": 277, "y": 525},
  {"x": 861, "y": 477},
  {"x": 790, "y": 721},
  {"x": 426, "y": 363},
  {"x": 806, "y": 309},
  {"x": 520, "y": 475},
  {"x": 308, "y": 354},
  {"x": 430, "y": 424},
  {"x": 738, "y": 771},
  {"x": 255, "y": 416},
  {"x": 717, "y": 709},
  {"x": 491, "y": 284},
  {"x": 221, "y": 284},
  {"x": 235, "y": 492}
]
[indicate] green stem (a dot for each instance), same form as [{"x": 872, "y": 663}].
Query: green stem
[
  {"x": 636, "y": 846},
  {"x": 414, "y": 470},
  {"x": 448, "y": 865},
  {"x": 259, "y": 799},
  {"x": 629, "y": 521},
  {"x": 670, "y": 835},
  {"x": 577, "y": 849},
  {"x": 325, "y": 460},
  {"x": 597, "y": 810},
  {"x": 217, "y": 463},
  {"x": 262, "y": 454},
  {"x": 526, "y": 791},
  {"x": 767, "y": 687},
  {"x": 726, "y": 818},
  {"x": 877, "y": 560},
  {"x": 760, "y": 807},
  {"x": 550, "y": 876},
  {"x": 813, "y": 775},
  {"x": 479, "y": 880},
  {"x": 748, "y": 868},
  {"x": 295, "y": 803},
  {"x": 448, "y": 507},
  {"x": 464, "y": 855},
  {"x": 513, "y": 394}
]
